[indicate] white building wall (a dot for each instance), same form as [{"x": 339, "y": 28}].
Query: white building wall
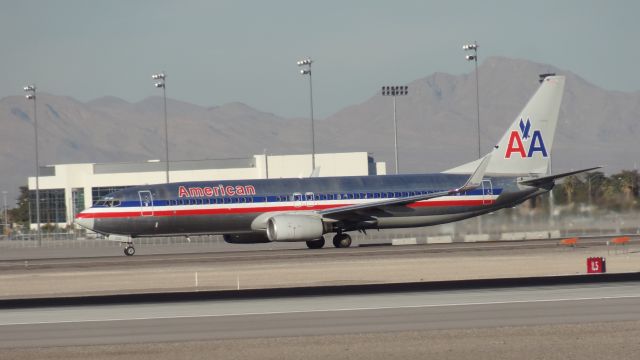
[{"x": 74, "y": 176}]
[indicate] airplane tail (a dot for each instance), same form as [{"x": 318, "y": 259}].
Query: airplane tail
[{"x": 525, "y": 149}]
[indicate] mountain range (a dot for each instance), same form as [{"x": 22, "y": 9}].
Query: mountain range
[{"x": 436, "y": 126}]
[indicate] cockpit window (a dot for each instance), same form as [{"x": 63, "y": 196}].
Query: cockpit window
[{"x": 107, "y": 203}]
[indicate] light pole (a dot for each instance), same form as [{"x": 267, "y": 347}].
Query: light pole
[
  {"x": 31, "y": 95},
  {"x": 474, "y": 47},
  {"x": 6, "y": 217},
  {"x": 395, "y": 91},
  {"x": 307, "y": 71},
  {"x": 589, "y": 189},
  {"x": 161, "y": 77}
]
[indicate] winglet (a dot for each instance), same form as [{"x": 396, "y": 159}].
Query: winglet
[{"x": 475, "y": 179}]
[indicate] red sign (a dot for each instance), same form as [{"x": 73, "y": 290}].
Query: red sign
[{"x": 596, "y": 265}]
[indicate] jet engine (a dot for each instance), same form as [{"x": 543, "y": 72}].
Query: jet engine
[
  {"x": 250, "y": 238},
  {"x": 294, "y": 228}
]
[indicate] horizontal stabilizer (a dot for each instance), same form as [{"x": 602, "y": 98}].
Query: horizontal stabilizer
[{"x": 547, "y": 179}]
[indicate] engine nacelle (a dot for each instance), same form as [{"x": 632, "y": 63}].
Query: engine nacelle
[
  {"x": 251, "y": 238},
  {"x": 294, "y": 228}
]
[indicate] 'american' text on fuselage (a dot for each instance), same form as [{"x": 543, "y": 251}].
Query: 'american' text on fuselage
[{"x": 216, "y": 190}]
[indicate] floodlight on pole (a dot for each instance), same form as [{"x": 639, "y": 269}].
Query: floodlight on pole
[
  {"x": 161, "y": 77},
  {"x": 474, "y": 47},
  {"x": 31, "y": 95},
  {"x": 541, "y": 77},
  {"x": 307, "y": 71},
  {"x": 395, "y": 91}
]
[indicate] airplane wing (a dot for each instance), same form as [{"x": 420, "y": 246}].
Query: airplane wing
[
  {"x": 473, "y": 182},
  {"x": 548, "y": 179}
]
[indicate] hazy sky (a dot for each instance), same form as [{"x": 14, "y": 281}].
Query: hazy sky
[{"x": 221, "y": 51}]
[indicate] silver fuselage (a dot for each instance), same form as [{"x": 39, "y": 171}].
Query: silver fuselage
[{"x": 237, "y": 207}]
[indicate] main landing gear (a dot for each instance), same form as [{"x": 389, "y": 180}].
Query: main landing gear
[
  {"x": 129, "y": 250},
  {"x": 316, "y": 244},
  {"x": 340, "y": 240}
]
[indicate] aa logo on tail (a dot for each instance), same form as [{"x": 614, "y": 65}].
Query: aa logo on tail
[{"x": 523, "y": 144}]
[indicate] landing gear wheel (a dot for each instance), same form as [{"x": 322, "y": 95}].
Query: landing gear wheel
[
  {"x": 316, "y": 244},
  {"x": 129, "y": 250},
  {"x": 342, "y": 240}
]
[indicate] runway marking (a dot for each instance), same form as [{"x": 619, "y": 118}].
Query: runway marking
[{"x": 325, "y": 310}]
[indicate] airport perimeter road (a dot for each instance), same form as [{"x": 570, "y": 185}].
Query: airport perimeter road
[{"x": 320, "y": 315}]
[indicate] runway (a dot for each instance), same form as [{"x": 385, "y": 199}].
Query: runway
[
  {"x": 149, "y": 255},
  {"x": 319, "y": 315}
]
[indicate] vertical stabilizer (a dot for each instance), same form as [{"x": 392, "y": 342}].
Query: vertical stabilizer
[{"x": 525, "y": 148}]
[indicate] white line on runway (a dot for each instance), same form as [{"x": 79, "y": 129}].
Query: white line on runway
[{"x": 326, "y": 310}]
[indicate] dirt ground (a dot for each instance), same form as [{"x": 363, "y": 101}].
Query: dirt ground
[{"x": 614, "y": 340}]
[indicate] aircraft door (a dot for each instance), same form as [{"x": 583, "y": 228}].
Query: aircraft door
[
  {"x": 487, "y": 191},
  {"x": 146, "y": 203}
]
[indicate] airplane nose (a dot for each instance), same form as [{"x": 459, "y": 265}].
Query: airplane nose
[{"x": 85, "y": 222}]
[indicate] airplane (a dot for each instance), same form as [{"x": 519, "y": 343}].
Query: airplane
[{"x": 305, "y": 209}]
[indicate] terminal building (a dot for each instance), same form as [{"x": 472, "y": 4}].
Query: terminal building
[{"x": 68, "y": 189}]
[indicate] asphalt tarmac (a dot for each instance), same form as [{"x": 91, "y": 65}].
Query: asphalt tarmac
[
  {"x": 318, "y": 316},
  {"x": 153, "y": 254},
  {"x": 550, "y": 322}
]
